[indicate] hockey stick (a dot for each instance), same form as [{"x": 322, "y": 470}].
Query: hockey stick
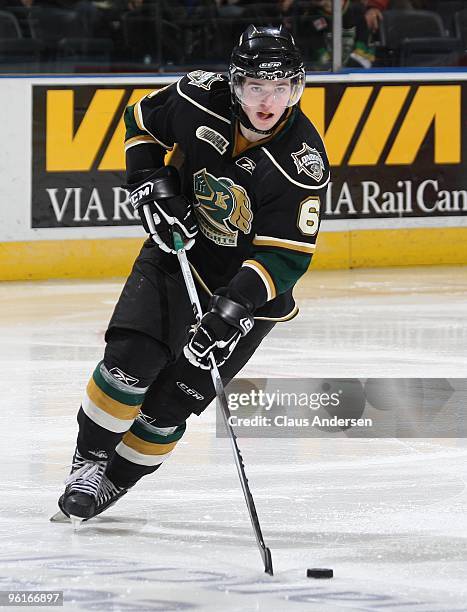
[{"x": 222, "y": 402}]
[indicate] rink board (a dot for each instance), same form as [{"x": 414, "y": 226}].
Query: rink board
[{"x": 395, "y": 141}]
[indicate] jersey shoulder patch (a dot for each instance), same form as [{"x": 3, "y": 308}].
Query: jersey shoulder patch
[
  {"x": 309, "y": 161},
  {"x": 208, "y": 91},
  {"x": 203, "y": 79},
  {"x": 299, "y": 155}
]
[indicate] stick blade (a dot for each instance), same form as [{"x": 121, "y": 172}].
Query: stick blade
[{"x": 267, "y": 558}]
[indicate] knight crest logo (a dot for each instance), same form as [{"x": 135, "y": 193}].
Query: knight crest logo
[
  {"x": 309, "y": 161},
  {"x": 224, "y": 210}
]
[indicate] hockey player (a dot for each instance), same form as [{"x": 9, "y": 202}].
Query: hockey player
[{"x": 244, "y": 188}]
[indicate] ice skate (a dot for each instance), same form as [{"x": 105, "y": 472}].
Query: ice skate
[
  {"x": 107, "y": 495},
  {"x": 79, "y": 501},
  {"x": 88, "y": 493}
]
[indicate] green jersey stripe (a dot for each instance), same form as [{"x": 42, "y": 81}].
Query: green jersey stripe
[
  {"x": 124, "y": 397},
  {"x": 285, "y": 267},
  {"x": 139, "y": 430},
  {"x": 132, "y": 128}
]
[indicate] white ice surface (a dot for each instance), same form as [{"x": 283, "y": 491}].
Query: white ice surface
[{"x": 389, "y": 516}]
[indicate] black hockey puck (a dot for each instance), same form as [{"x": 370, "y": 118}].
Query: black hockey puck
[{"x": 319, "y": 572}]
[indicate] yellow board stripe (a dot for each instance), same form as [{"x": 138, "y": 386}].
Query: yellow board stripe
[
  {"x": 109, "y": 405},
  {"x": 264, "y": 275},
  {"x": 146, "y": 448},
  {"x": 112, "y": 257},
  {"x": 282, "y": 243},
  {"x": 44, "y": 259}
]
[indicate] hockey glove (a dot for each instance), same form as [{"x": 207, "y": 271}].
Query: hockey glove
[
  {"x": 228, "y": 319},
  {"x": 163, "y": 209}
]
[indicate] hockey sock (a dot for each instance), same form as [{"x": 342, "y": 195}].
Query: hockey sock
[
  {"x": 109, "y": 408},
  {"x": 142, "y": 451}
]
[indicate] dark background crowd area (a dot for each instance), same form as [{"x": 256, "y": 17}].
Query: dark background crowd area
[{"x": 79, "y": 36}]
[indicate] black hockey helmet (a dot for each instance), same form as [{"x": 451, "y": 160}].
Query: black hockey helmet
[{"x": 265, "y": 52}]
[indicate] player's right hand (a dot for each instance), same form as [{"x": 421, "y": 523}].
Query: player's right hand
[
  {"x": 163, "y": 209},
  {"x": 161, "y": 217}
]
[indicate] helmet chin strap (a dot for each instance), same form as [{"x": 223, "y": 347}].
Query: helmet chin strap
[{"x": 240, "y": 114}]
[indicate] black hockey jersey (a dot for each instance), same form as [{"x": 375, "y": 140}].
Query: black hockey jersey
[{"x": 258, "y": 208}]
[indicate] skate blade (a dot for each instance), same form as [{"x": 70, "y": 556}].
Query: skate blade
[
  {"x": 59, "y": 517},
  {"x": 76, "y": 522}
]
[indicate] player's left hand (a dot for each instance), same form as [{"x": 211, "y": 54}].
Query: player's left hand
[{"x": 219, "y": 331}]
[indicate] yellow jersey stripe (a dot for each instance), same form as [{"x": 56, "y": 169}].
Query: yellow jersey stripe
[
  {"x": 287, "y": 317},
  {"x": 130, "y": 454},
  {"x": 146, "y": 448},
  {"x": 136, "y": 140},
  {"x": 109, "y": 405},
  {"x": 138, "y": 115},
  {"x": 282, "y": 243},
  {"x": 264, "y": 275},
  {"x": 103, "y": 418}
]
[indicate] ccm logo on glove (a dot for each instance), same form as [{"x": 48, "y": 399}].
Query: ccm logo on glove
[{"x": 142, "y": 192}]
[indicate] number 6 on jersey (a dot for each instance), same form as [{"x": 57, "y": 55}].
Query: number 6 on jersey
[{"x": 308, "y": 216}]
